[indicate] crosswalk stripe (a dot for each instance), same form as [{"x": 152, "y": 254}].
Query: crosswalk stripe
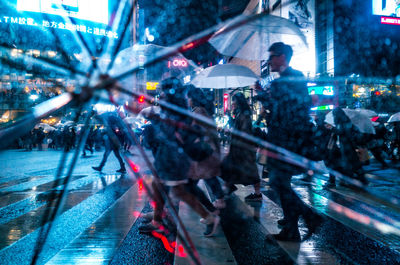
[
  {"x": 102, "y": 238},
  {"x": 34, "y": 200},
  {"x": 13, "y": 238},
  {"x": 372, "y": 232},
  {"x": 213, "y": 250},
  {"x": 269, "y": 213}
]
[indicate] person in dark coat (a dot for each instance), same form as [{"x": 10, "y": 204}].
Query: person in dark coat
[
  {"x": 112, "y": 144},
  {"x": 288, "y": 126},
  {"x": 239, "y": 166},
  {"x": 40, "y": 138},
  {"x": 209, "y": 168},
  {"x": 170, "y": 160},
  {"x": 349, "y": 136}
]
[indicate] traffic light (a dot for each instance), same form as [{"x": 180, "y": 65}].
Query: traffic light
[{"x": 141, "y": 99}]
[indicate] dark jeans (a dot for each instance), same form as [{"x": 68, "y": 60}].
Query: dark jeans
[
  {"x": 192, "y": 187},
  {"x": 215, "y": 186},
  {"x": 291, "y": 204},
  {"x": 117, "y": 155}
]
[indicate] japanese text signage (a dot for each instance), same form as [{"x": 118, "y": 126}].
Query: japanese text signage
[{"x": 28, "y": 21}]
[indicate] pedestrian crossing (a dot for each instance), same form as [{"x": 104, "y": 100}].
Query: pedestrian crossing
[
  {"x": 214, "y": 250},
  {"x": 101, "y": 209}
]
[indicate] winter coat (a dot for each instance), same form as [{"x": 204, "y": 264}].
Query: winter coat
[
  {"x": 239, "y": 166},
  {"x": 289, "y": 123},
  {"x": 211, "y": 166}
]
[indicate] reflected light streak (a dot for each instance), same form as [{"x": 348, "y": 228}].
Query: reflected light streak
[
  {"x": 363, "y": 219},
  {"x": 170, "y": 247}
]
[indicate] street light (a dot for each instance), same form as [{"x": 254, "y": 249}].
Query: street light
[{"x": 33, "y": 97}]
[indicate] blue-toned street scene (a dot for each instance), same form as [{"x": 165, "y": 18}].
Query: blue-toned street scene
[{"x": 199, "y": 132}]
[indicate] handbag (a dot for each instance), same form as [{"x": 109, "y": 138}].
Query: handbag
[{"x": 196, "y": 148}]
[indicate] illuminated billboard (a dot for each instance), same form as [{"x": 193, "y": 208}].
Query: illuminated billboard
[
  {"x": 91, "y": 10},
  {"x": 389, "y": 8},
  {"x": 90, "y": 17},
  {"x": 301, "y": 13}
]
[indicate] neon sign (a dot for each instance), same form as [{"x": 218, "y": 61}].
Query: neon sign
[
  {"x": 92, "y": 10},
  {"x": 180, "y": 63},
  {"x": 390, "y": 20},
  {"x": 151, "y": 85},
  {"x": 226, "y": 97}
]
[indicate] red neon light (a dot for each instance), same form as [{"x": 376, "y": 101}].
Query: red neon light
[
  {"x": 226, "y": 96},
  {"x": 374, "y": 119},
  {"x": 177, "y": 63},
  {"x": 188, "y": 46},
  {"x": 141, "y": 100},
  {"x": 390, "y": 20}
]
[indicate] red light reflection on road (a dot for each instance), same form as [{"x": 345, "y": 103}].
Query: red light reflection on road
[
  {"x": 140, "y": 185},
  {"x": 136, "y": 213},
  {"x": 133, "y": 166},
  {"x": 170, "y": 247}
]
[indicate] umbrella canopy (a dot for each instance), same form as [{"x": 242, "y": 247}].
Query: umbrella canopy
[
  {"x": 137, "y": 54},
  {"x": 361, "y": 121},
  {"x": 146, "y": 112},
  {"x": 130, "y": 120},
  {"x": 395, "y": 117},
  {"x": 46, "y": 127},
  {"x": 252, "y": 40},
  {"x": 367, "y": 112},
  {"x": 225, "y": 76}
]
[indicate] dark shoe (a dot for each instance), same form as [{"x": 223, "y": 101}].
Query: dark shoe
[
  {"x": 121, "y": 170},
  {"x": 253, "y": 197},
  {"x": 286, "y": 235},
  {"x": 147, "y": 228},
  {"x": 212, "y": 227},
  {"x": 147, "y": 217},
  {"x": 312, "y": 226},
  {"x": 282, "y": 222},
  {"x": 231, "y": 189},
  {"x": 97, "y": 168}
]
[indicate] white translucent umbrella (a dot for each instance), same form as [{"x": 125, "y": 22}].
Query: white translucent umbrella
[
  {"x": 367, "y": 112},
  {"x": 137, "y": 54},
  {"x": 147, "y": 112},
  {"x": 361, "y": 121},
  {"x": 130, "y": 120},
  {"x": 395, "y": 117},
  {"x": 252, "y": 40},
  {"x": 46, "y": 127},
  {"x": 225, "y": 76}
]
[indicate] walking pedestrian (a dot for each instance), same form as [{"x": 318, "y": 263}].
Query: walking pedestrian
[
  {"x": 112, "y": 144},
  {"x": 239, "y": 166},
  {"x": 171, "y": 162},
  {"x": 289, "y": 104},
  {"x": 209, "y": 168}
]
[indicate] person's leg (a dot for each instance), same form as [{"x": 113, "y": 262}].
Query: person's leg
[
  {"x": 215, "y": 187},
  {"x": 107, "y": 152},
  {"x": 190, "y": 199},
  {"x": 377, "y": 153},
  {"x": 257, "y": 188},
  {"x": 159, "y": 202},
  {"x": 280, "y": 184},
  {"x": 118, "y": 156},
  {"x": 192, "y": 188}
]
